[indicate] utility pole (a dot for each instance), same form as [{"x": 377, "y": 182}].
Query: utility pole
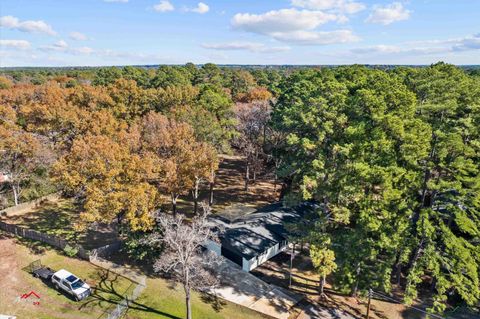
[
  {"x": 370, "y": 293},
  {"x": 291, "y": 265}
]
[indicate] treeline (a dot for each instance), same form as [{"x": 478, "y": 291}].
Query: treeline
[
  {"x": 393, "y": 159},
  {"x": 391, "y": 156}
]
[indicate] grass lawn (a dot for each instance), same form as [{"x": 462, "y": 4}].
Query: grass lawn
[
  {"x": 108, "y": 288},
  {"x": 161, "y": 300},
  {"x": 58, "y": 218},
  {"x": 158, "y": 300}
]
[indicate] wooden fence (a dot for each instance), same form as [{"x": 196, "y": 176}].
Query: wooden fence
[
  {"x": 36, "y": 235},
  {"x": 107, "y": 250},
  {"x": 12, "y": 210}
]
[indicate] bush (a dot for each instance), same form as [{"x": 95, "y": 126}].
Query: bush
[
  {"x": 70, "y": 251},
  {"x": 136, "y": 248}
]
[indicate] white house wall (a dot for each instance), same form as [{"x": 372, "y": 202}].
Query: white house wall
[
  {"x": 214, "y": 246},
  {"x": 253, "y": 263}
]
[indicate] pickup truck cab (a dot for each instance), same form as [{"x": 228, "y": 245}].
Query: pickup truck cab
[{"x": 71, "y": 284}]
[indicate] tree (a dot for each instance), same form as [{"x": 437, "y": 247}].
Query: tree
[
  {"x": 442, "y": 234},
  {"x": 216, "y": 107},
  {"x": 110, "y": 179},
  {"x": 252, "y": 121},
  {"x": 355, "y": 152},
  {"x": 22, "y": 153},
  {"x": 171, "y": 76},
  {"x": 5, "y": 83},
  {"x": 129, "y": 100},
  {"x": 323, "y": 260},
  {"x": 204, "y": 167},
  {"x": 173, "y": 145},
  {"x": 183, "y": 258}
]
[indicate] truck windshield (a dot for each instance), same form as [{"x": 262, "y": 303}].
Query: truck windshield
[{"x": 77, "y": 284}]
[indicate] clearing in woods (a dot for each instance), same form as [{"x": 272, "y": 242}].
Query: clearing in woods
[{"x": 230, "y": 197}]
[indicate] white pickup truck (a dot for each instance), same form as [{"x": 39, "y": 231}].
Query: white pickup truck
[{"x": 71, "y": 284}]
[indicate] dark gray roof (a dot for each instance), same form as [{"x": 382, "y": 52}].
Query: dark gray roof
[{"x": 253, "y": 234}]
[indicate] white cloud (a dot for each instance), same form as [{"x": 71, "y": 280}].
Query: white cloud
[
  {"x": 430, "y": 47},
  {"x": 284, "y": 20},
  {"x": 29, "y": 26},
  {"x": 294, "y": 26},
  {"x": 316, "y": 37},
  {"x": 388, "y": 14},
  {"x": 82, "y": 50},
  {"x": 77, "y": 36},
  {"x": 57, "y": 46},
  {"x": 244, "y": 46},
  {"x": 164, "y": 6},
  {"x": 15, "y": 44},
  {"x": 342, "y": 6},
  {"x": 63, "y": 47},
  {"x": 201, "y": 8}
]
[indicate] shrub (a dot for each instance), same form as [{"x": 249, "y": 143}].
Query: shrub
[{"x": 70, "y": 251}]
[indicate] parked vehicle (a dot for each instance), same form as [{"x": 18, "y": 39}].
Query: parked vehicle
[
  {"x": 61, "y": 280},
  {"x": 71, "y": 284}
]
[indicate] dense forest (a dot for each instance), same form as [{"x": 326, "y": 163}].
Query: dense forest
[{"x": 391, "y": 156}]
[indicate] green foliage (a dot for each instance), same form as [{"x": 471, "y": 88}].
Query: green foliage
[
  {"x": 394, "y": 160},
  {"x": 171, "y": 76},
  {"x": 136, "y": 247},
  {"x": 70, "y": 251}
]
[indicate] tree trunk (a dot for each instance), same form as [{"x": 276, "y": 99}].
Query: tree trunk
[
  {"x": 174, "y": 204},
  {"x": 399, "y": 273},
  {"x": 212, "y": 182},
  {"x": 275, "y": 181},
  {"x": 254, "y": 176},
  {"x": 322, "y": 286},
  {"x": 15, "y": 194},
  {"x": 355, "y": 287},
  {"x": 187, "y": 301},
  {"x": 247, "y": 175},
  {"x": 195, "y": 196}
]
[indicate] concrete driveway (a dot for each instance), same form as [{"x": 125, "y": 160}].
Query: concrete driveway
[{"x": 249, "y": 291}]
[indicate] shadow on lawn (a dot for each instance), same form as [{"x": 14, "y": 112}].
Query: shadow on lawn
[
  {"x": 216, "y": 303},
  {"x": 106, "y": 292},
  {"x": 58, "y": 219}
]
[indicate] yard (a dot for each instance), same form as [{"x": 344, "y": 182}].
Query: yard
[
  {"x": 230, "y": 198},
  {"x": 305, "y": 281},
  {"x": 15, "y": 255},
  {"x": 161, "y": 300},
  {"x": 57, "y": 217},
  {"x": 158, "y": 300}
]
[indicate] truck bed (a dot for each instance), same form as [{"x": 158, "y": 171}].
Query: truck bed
[{"x": 43, "y": 272}]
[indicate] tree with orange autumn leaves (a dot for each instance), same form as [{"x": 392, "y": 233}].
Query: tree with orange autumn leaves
[
  {"x": 113, "y": 160},
  {"x": 183, "y": 161}
]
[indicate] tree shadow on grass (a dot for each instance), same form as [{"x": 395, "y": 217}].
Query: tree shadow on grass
[
  {"x": 106, "y": 293},
  {"x": 35, "y": 247},
  {"x": 213, "y": 300}
]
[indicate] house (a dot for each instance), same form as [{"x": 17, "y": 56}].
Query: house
[{"x": 253, "y": 239}]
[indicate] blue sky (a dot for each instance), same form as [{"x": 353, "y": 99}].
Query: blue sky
[{"x": 124, "y": 32}]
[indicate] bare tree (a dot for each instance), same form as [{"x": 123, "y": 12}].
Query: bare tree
[
  {"x": 183, "y": 257},
  {"x": 252, "y": 120}
]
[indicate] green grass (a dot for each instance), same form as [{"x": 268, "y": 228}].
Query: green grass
[
  {"x": 161, "y": 300},
  {"x": 108, "y": 288},
  {"x": 58, "y": 219}
]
